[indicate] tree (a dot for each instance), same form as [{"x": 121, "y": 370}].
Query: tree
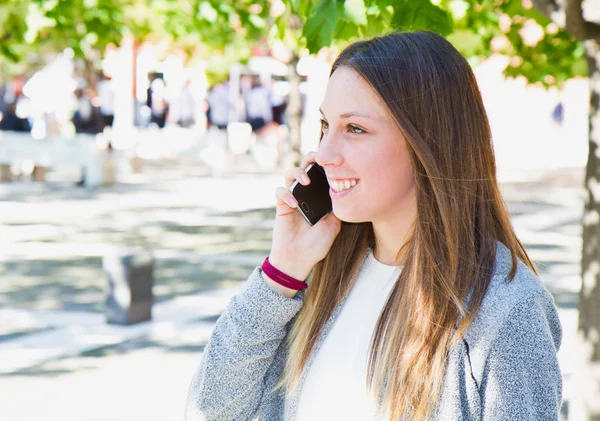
[
  {"x": 568, "y": 45},
  {"x": 30, "y": 28},
  {"x": 477, "y": 28},
  {"x": 578, "y": 21}
]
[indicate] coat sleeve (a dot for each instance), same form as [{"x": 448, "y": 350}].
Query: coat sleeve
[
  {"x": 248, "y": 335},
  {"x": 522, "y": 378}
]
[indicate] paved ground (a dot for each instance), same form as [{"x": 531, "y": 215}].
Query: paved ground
[{"x": 60, "y": 361}]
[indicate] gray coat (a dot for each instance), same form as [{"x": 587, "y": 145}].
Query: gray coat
[{"x": 505, "y": 368}]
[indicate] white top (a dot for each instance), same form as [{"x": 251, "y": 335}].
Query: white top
[
  {"x": 84, "y": 106},
  {"x": 106, "y": 94},
  {"x": 258, "y": 104},
  {"x": 186, "y": 104},
  {"x": 335, "y": 385},
  {"x": 218, "y": 100}
]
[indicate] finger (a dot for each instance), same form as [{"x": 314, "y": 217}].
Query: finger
[
  {"x": 285, "y": 201},
  {"x": 308, "y": 159},
  {"x": 296, "y": 174}
]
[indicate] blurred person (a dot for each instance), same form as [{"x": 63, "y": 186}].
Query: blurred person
[
  {"x": 156, "y": 100},
  {"x": 186, "y": 106},
  {"x": 83, "y": 115},
  {"x": 258, "y": 105},
  {"x": 219, "y": 105},
  {"x": 3, "y": 98},
  {"x": 12, "y": 122},
  {"x": 246, "y": 84},
  {"x": 413, "y": 298},
  {"x": 14, "y": 90},
  {"x": 558, "y": 114},
  {"x": 278, "y": 103},
  {"x": 106, "y": 97}
]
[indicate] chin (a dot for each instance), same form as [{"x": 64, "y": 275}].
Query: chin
[{"x": 348, "y": 217}]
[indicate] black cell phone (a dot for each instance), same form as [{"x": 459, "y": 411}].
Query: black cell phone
[{"x": 314, "y": 201}]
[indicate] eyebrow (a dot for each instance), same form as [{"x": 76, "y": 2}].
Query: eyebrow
[{"x": 351, "y": 114}]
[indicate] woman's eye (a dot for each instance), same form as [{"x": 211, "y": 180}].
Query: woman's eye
[
  {"x": 355, "y": 130},
  {"x": 351, "y": 128}
]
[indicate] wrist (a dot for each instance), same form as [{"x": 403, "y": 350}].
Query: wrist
[
  {"x": 287, "y": 292},
  {"x": 295, "y": 271}
]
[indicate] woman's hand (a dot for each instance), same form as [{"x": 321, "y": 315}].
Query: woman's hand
[{"x": 297, "y": 246}]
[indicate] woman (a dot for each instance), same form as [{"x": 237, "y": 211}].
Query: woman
[{"x": 421, "y": 303}]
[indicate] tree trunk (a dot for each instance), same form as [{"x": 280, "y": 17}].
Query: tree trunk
[
  {"x": 585, "y": 404},
  {"x": 89, "y": 74},
  {"x": 294, "y": 117}
]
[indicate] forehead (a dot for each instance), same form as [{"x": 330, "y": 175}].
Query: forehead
[{"x": 347, "y": 91}]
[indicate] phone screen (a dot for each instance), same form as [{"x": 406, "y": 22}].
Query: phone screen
[{"x": 314, "y": 201}]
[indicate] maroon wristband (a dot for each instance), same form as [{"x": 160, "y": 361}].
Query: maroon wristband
[{"x": 281, "y": 278}]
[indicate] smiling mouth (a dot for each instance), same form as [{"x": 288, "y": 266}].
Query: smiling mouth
[{"x": 339, "y": 187}]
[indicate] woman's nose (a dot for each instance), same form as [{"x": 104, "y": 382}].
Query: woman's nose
[{"x": 328, "y": 153}]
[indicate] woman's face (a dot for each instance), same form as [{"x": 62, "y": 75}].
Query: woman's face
[{"x": 362, "y": 143}]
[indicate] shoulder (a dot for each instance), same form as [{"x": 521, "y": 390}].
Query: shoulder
[{"x": 512, "y": 309}]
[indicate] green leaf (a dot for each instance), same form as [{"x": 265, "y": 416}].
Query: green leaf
[
  {"x": 373, "y": 10},
  {"x": 227, "y": 9},
  {"x": 295, "y": 5},
  {"x": 515, "y": 8},
  {"x": 355, "y": 11},
  {"x": 385, "y": 3},
  {"x": 345, "y": 31},
  {"x": 9, "y": 53},
  {"x": 319, "y": 27},
  {"x": 281, "y": 23},
  {"x": 257, "y": 21},
  {"x": 379, "y": 24},
  {"x": 421, "y": 14},
  {"x": 466, "y": 41},
  {"x": 579, "y": 67}
]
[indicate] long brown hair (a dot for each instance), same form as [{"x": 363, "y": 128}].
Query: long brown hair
[{"x": 431, "y": 92}]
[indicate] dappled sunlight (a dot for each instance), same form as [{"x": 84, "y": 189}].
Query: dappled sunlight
[
  {"x": 53, "y": 246},
  {"x": 204, "y": 244}
]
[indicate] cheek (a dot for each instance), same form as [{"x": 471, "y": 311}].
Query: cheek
[{"x": 390, "y": 172}]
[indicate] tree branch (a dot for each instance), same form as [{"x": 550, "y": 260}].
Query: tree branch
[
  {"x": 568, "y": 14},
  {"x": 552, "y": 9}
]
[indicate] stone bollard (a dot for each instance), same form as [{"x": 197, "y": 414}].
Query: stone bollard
[
  {"x": 100, "y": 170},
  {"x": 39, "y": 174},
  {"x": 136, "y": 164},
  {"x": 108, "y": 171},
  {"x": 129, "y": 295},
  {"x": 5, "y": 172}
]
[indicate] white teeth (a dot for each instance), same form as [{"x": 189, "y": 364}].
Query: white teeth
[{"x": 339, "y": 186}]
